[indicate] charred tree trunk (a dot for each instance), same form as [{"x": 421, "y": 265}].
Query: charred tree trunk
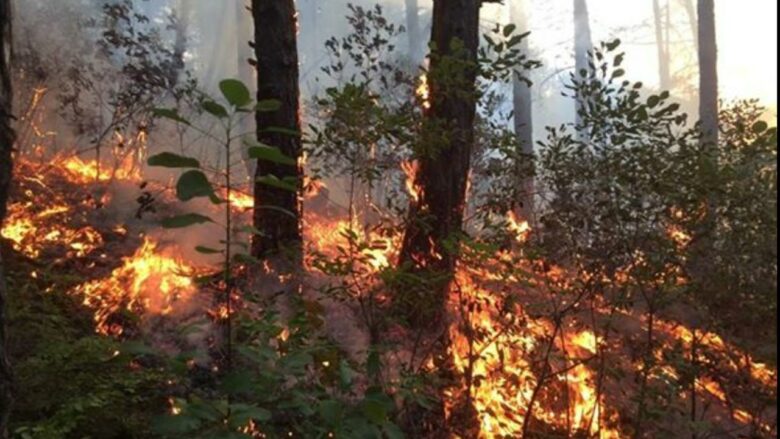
[
  {"x": 276, "y": 53},
  {"x": 708, "y": 74},
  {"x": 583, "y": 43},
  {"x": 523, "y": 122},
  {"x": 413, "y": 31},
  {"x": 444, "y": 149},
  {"x": 662, "y": 42},
  {"x": 7, "y": 138}
]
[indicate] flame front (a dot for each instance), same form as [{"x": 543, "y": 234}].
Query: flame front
[{"x": 150, "y": 281}]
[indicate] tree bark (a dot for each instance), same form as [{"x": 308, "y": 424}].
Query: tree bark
[
  {"x": 444, "y": 150},
  {"x": 7, "y": 139},
  {"x": 523, "y": 120},
  {"x": 445, "y": 147},
  {"x": 276, "y": 53},
  {"x": 708, "y": 74},
  {"x": 583, "y": 43}
]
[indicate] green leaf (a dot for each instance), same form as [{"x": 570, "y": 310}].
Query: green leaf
[
  {"x": 653, "y": 100},
  {"x": 237, "y": 382},
  {"x": 242, "y": 413},
  {"x": 185, "y": 220},
  {"x": 759, "y": 127},
  {"x": 175, "y": 424},
  {"x": 279, "y": 130},
  {"x": 171, "y": 160},
  {"x": 171, "y": 114},
  {"x": 215, "y": 109},
  {"x": 136, "y": 348},
  {"x": 235, "y": 92},
  {"x": 268, "y": 105},
  {"x": 330, "y": 411},
  {"x": 207, "y": 250},
  {"x": 393, "y": 431},
  {"x": 508, "y": 29},
  {"x": 193, "y": 184},
  {"x": 270, "y": 154},
  {"x": 274, "y": 181},
  {"x": 374, "y": 410}
]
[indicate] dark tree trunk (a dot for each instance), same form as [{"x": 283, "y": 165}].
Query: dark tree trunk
[
  {"x": 662, "y": 45},
  {"x": 7, "y": 138},
  {"x": 523, "y": 120},
  {"x": 413, "y": 31},
  {"x": 708, "y": 73},
  {"x": 447, "y": 142},
  {"x": 583, "y": 43},
  {"x": 276, "y": 53},
  {"x": 443, "y": 153}
]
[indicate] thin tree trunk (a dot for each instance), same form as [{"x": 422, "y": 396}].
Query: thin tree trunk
[
  {"x": 523, "y": 121},
  {"x": 276, "y": 53},
  {"x": 708, "y": 74},
  {"x": 244, "y": 35},
  {"x": 413, "y": 31},
  {"x": 7, "y": 138},
  {"x": 583, "y": 43},
  {"x": 661, "y": 42},
  {"x": 690, "y": 11},
  {"x": 182, "y": 22}
]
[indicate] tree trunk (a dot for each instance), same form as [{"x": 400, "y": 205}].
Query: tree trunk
[
  {"x": 583, "y": 43},
  {"x": 276, "y": 53},
  {"x": 7, "y": 138},
  {"x": 690, "y": 11},
  {"x": 413, "y": 31},
  {"x": 444, "y": 151},
  {"x": 661, "y": 41},
  {"x": 447, "y": 140},
  {"x": 523, "y": 120},
  {"x": 708, "y": 74}
]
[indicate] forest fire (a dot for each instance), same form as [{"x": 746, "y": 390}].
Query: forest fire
[
  {"x": 473, "y": 269},
  {"x": 150, "y": 281}
]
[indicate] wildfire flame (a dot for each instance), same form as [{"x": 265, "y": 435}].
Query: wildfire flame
[
  {"x": 150, "y": 281},
  {"x": 423, "y": 92}
]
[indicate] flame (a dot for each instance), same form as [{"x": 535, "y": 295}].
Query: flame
[
  {"x": 150, "y": 281},
  {"x": 30, "y": 232},
  {"x": 87, "y": 171},
  {"x": 423, "y": 92},
  {"x": 521, "y": 229},
  {"x": 410, "y": 169}
]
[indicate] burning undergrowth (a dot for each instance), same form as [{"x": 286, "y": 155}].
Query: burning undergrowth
[{"x": 537, "y": 356}]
